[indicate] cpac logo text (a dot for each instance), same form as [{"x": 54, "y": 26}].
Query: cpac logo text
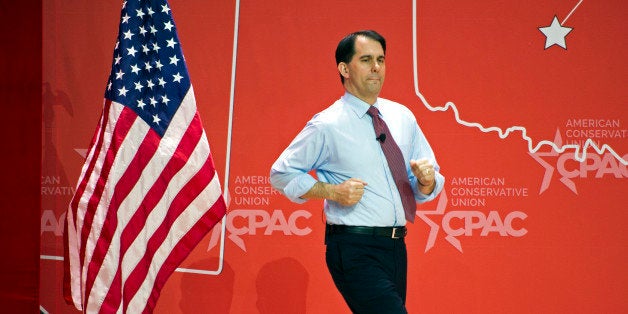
[
  {"x": 240, "y": 222},
  {"x": 569, "y": 167},
  {"x": 469, "y": 223}
]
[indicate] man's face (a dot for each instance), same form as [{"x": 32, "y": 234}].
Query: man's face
[{"x": 364, "y": 74}]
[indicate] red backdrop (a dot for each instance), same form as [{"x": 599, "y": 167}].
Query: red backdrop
[{"x": 518, "y": 227}]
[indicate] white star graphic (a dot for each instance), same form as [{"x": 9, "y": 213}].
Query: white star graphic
[
  {"x": 168, "y": 26},
  {"x": 140, "y": 13},
  {"x": 555, "y": 34},
  {"x": 156, "y": 119},
  {"x": 138, "y": 86},
  {"x": 131, "y": 51},
  {"x": 119, "y": 75},
  {"x": 177, "y": 78},
  {"x": 171, "y": 43},
  {"x": 128, "y": 34},
  {"x": 174, "y": 60},
  {"x": 122, "y": 91}
]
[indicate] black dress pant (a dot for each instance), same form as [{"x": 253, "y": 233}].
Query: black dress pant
[{"x": 369, "y": 271}]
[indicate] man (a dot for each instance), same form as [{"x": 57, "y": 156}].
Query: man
[{"x": 349, "y": 147}]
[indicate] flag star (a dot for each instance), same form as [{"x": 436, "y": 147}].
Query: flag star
[
  {"x": 140, "y": 104},
  {"x": 165, "y": 99},
  {"x": 158, "y": 65},
  {"x": 156, "y": 119},
  {"x": 162, "y": 82},
  {"x": 156, "y": 47},
  {"x": 142, "y": 30},
  {"x": 153, "y": 30},
  {"x": 135, "y": 69},
  {"x": 119, "y": 74},
  {"x": 109, "y": 85},
  {"x": 150, "y": 84},
  {"x": 131, "y": 51},
  {"x": 555, "y": 34},
  {"x": 177, "y": 78},
  {"x": 117, "y": 45},
  {"x": 153, "y": 101},
  {"x": 150, "y": 11},
  {"x": 171, "y": 43},
  {"x": 165, "y": 9},
  {"x": 138, "y": 86},
  {"x": 123, "y": 4},
  {"x": 125, "y": 18},
  {"x": 122, "y": 91},
  {"x": 147, "y": 66},
  {"x": 117, "y": 59},
  {"x": 128, "y": 34},
  {"x": 168, "y": 26},
  {"x": 140, "y": 13},
  {"x": 174, "y": 60},
  {"x": 145, "y": 49}
]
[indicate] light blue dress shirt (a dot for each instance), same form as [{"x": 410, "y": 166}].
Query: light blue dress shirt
[{"x": 340, "y": 143}]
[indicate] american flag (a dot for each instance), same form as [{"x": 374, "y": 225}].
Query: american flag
[{"x": 148, "y": 191}]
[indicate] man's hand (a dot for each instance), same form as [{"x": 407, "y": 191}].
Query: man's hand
[
  {"x": 424, "y": 172},
  {"x": 347, "y": 193}
]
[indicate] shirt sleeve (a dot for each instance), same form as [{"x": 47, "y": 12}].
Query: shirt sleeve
[
  {"x": 290, "y": 174},
  {"x": 422, "y": 149}
]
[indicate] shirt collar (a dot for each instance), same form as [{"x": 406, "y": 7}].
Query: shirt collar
[{"x": 356, "y": 104}]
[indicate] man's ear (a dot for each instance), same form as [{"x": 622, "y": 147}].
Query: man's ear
[{"x": 343, "y": 70}]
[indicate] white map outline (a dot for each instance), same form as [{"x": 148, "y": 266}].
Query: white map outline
[{"x": 580, "y": 157}]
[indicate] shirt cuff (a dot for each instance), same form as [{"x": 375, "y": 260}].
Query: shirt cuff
[{"x": 299, "y": 186}]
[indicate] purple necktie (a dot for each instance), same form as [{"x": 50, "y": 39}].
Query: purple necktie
[{"x": 395, "y": 162}]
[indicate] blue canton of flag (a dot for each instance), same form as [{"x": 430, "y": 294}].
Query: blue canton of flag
[{"x": 148, "y": 73}]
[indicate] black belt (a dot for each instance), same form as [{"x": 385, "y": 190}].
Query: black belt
[{"x": 389, "y": 232}]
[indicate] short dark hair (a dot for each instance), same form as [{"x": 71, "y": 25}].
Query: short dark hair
[{"x": 346, "y": 46}]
